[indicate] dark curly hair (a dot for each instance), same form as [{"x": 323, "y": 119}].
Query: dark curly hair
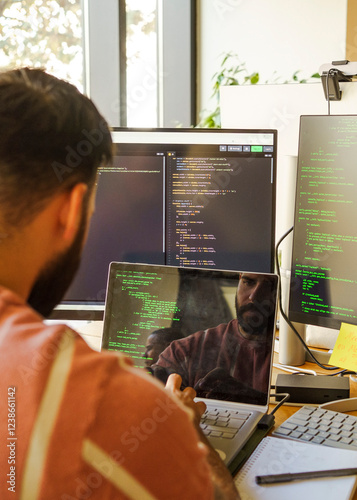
[{"x": 51, "y": 137}]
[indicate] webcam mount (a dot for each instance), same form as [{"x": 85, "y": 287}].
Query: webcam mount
[{"x": 334, "y": 73}]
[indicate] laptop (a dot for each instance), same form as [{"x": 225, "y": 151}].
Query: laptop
[{"x": 215, "y": 328}]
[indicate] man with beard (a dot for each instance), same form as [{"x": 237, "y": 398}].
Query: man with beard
[
  {"x": 224, "y": 359},
  {"x": 75, "y": 423}
]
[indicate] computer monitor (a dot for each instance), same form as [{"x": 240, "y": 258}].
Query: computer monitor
[
  {"x": 181, "y": 197},
  {"x": 323, "y": 287}
]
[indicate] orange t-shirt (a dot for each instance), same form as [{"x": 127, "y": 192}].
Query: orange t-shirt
[{"x": 78, "y": 424}]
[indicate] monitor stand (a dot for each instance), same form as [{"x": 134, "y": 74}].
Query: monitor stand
[
  {"x": 291, "y": 350},
  {"x": 322, "y": 357},
  {"x": 293, "y": 353},
  {"x": 323, "y": 338}
]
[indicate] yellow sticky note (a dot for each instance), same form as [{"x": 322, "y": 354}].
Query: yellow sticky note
[{"x": 344, "y": 354}]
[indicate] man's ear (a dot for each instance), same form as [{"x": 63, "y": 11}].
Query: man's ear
[{"x": 71, "y": 211}]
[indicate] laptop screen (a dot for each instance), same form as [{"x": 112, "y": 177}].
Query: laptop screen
[{"x": 215, "y": 328}]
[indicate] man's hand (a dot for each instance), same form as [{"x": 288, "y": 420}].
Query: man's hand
[
  {"x": 186, "y": 396},
  {"x": 222, "y": 479},
  {"x": 219, "y": 384}
]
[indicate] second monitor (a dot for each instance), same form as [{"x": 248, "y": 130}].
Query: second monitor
[{"x": 182, "y": 197}]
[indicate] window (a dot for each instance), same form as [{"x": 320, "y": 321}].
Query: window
[
  {"x": 43, "y": 33},
  {"x": 140, "y": 61},
  {"x": 134, "y": 58}
]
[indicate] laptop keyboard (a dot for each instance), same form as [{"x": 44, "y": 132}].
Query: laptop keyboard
[
  {"x": 326, "y": 427},
  {"x": 216, "y": 422}
]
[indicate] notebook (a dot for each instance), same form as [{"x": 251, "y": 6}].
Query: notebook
[
  {"x": 213, "y": 327},
  {"x": 276, "y": 456}
]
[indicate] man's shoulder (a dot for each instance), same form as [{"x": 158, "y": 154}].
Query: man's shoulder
[
  {"x": 208, "y": 333},
  {"x": 220, "y": 330},
  {"x": 36, "y": 342},
  {"x": 37, "y": 345}
]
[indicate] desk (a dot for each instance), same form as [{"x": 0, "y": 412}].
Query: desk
[{"x": 287, "y": 410}]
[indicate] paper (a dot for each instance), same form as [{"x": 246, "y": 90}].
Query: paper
[
  {"x": 276, "y": 456},
  {"x": 344, "y": 354}
]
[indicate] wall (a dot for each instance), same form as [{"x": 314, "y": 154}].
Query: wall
[
  {"x": 351, "y": 36},
  {"x": 279, "y": 36}
]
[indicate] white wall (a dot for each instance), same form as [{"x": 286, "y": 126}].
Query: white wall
[
  {"x": 269, "y": 35},
  {"x": 280, "y": 107}
]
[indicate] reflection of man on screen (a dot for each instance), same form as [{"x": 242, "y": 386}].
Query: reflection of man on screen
[
  {"x": 157, "y": 342},
  {"x": 231, "y": 358}
]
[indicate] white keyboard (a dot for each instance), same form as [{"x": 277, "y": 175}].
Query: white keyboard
[
  {"x": 223, "y": 423},
  {"x": 326, "y": 427}
]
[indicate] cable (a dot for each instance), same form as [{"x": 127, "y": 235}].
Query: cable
[
  {"x": 342, "y": 373},
  {"x": 282, "y": 310},
  {"x": 268, "y": 419},
  {"x": 281, "y": 402}
]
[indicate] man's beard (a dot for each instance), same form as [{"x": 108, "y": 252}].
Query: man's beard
[
  {"x": 256, "y": 323},
  {"x": 55, "y": 278}
]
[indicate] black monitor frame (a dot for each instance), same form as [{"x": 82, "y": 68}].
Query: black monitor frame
[
  {"x": 246, "y": 145},
  {"x": 323, "y": 285}
]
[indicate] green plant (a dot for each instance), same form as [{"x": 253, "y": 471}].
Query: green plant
[{"x": 234, "y": 72}]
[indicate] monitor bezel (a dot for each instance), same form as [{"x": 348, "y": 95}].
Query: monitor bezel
[
  {"x": 306, "y": 318},
  {"x": 94, "y": 310}
]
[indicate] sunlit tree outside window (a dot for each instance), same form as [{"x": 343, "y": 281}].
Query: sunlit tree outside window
[
  {"x": 43, "y": 33},
  {"x": 49, "y": 34},
  {"x": 141, "y": 70}
]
